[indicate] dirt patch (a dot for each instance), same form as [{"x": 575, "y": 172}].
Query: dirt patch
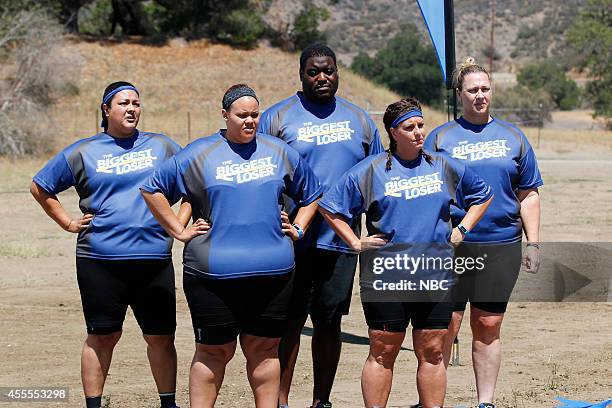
[{"x": 550, "y": 349}]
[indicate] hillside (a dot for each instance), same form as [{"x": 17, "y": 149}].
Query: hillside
[
  {"x": 524, "y": 29},
  {"x": 181, "y": 78}
]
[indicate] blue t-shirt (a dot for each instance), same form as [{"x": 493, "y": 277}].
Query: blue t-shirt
[
  {"x": 106, "y": 173},
  {"x": 410, "y": 203},
  {"x": 332, "y": 138},
  {"x": 501, "y": 154},
  {"x": 238, "y": 188}
]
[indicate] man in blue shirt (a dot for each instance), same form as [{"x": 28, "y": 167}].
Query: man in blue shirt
[{"x": 332, "y": 135}]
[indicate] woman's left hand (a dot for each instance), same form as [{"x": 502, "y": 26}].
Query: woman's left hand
[
  {"x": 456, "y": 237},
  {"x": 287, "y": 228},
  {"x": 531, "y": 259}
]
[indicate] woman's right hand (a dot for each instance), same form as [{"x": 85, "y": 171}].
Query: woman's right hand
[
  {"x": 77, "y": 225},
  {"x": 370, "y": 242},
  {"x": 199, "y": 227}
]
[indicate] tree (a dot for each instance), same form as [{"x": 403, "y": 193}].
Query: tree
[
  {"x": 35, "y": 73},
  {"x": 305, "y": 30},
  {"x": 591, "y": 40},
  {"x": 405, "y": 65},
  {"x": 550, "y": 77}
]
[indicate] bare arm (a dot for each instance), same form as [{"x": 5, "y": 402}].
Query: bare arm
[
  {"x": 344, "y": 231},
  {"x": 184, "y": 213},
  {"x": 160, "y": 207},
  {"x": 57, "y": 212},
  {"x": 530, "y": 213},
  {"x": 303, "y": 218},
  {"x": 469, "y": 221}
]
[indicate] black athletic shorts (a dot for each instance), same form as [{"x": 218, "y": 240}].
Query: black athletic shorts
[
  {"x": 223, "y": 308},
  {"x": 108, "y": 287},
  {"x": 488, "y": 289},
  {"x": 323, "y": 285},
  {"x": 395, "y": 316}
]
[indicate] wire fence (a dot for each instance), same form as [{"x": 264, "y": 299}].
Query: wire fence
[{"x": 185, "y": 126}]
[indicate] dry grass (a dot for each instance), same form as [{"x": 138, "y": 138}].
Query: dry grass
[{"x": 181, "y": 78}]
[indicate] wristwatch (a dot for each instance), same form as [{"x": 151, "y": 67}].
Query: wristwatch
[
  {"x": 299, "y": 230},
  {"x": 463, "y": 230}
]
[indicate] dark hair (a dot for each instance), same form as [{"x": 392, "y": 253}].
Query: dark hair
[
  {"x": 235, "y": 92},
  {"x": 108, "y": 90},
  {"x": 316, "y": 50},
  {"x": 469, "y": 66},
  {"x": 393, "y": 111}
]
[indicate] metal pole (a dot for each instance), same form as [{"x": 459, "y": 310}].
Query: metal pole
[
  {"x": 492, "y": 45},
  {"x": 449, "y": 40}
]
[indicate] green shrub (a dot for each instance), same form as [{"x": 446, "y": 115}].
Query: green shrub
[
  {"x": 551, "y": 78},
  {"x": 405, "y": 65}
]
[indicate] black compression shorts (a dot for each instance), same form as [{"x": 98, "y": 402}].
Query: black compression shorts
[
  {"x": 395, "y": 316},
  {"x": 323, "y": 285},
  {"x": 488, "y": 289},
  {"x": 108, "y": 287},
  {"x": 223, "y": 308}
]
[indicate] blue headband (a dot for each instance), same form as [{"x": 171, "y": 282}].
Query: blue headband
[
  {"x": 109, "y": 96},
  {"x": 411, "y": 113}
]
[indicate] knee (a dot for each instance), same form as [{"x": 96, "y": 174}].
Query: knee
[
  {"x": 486, "y": 329},
  {"x": 385, "y": 357},
  {"x": 103, "y": 341},
  {"x": 220, "y": 354},
  {"x": 160, "y": 342},
  {"x": 261, "y": 350},
  {"x": 431, "y": 354}
]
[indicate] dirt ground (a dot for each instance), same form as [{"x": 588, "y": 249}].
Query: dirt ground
[{"x": 550, "y": 349}]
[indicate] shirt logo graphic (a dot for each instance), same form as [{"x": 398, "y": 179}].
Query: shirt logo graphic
[
  {"x": 480, "y": 150},
  {"x": 126, "y": 163},
  {"x": 247, "y": 171},
  {"x": 413, "y": 187},
  {"x": 325, "y": 133}
]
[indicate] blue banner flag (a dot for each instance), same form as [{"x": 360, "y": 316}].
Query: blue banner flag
[
  {"x": 583, "y": 404},
  {"x": 439, "y": 19}
]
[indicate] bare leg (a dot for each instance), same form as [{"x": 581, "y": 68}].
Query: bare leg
[
  {"x": 263, "y": 368},
  {"x": 431, "y": 372},
  {"x": 96, "y": 358},
  {"x": 207, "y": 371},
  {"x": 486, "y": 351},
  {"x": 162, "y": 359},
  {"x": 377, "y": 374},
  {"x": 288, "y": 353}
]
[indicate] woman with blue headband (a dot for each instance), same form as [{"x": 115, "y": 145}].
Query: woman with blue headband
[
  {"x": 238, "y": 277},
  {"x": 123, "y": 255},
  {"x": 406, "y": 194}
]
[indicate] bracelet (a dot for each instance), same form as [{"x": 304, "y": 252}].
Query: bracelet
[
  {"x": 463, "y": 230},
  {"x": 69, "y": 224},
  {"x": 299, "y": 230},
  {"x": 533, "y": 244}
]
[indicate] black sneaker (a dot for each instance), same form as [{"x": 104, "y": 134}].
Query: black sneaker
[
  {"x": 417, "y": 405},
  {"x": 323, "y": 404}
]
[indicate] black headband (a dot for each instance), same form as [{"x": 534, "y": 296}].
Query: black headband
[{"x": 236, "y": 93}]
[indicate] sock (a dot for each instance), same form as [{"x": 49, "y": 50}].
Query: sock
[
  {"x": 93, "y": 402},
  {"x": 167, "y": 399}
]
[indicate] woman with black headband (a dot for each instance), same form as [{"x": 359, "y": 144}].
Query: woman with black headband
[
  {"x": 123, "y": 255},
  {"x": 237, "y": 277},
  {"x": 406, "y": 195}
]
